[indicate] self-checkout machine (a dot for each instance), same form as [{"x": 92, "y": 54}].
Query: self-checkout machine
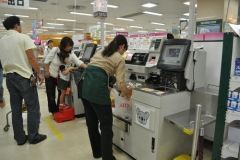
[
  {"x": 140, "y": 64},
  {"x": 153, "y": 138},
  {"x": 88, "y": 51}
]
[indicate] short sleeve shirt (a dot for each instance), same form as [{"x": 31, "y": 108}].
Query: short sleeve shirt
[{"x": 13, "y": 47}]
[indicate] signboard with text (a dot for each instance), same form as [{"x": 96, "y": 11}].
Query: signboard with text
[
  {"x": 122, "y": 33},
  {"x": 19, "y": 4},
  {"x": 210, "y": 26},
  {"x": 100, "y": 9}
]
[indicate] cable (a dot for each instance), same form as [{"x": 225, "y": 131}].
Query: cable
[{"x": 194, "y": 62}]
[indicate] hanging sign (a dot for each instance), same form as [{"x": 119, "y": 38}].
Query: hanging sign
[
  {"x": 122, "y": 33},
  {"x": 34, "y": 30},
  {"x": 19, "y": 4},
  {"x": 100, "y": 9}
]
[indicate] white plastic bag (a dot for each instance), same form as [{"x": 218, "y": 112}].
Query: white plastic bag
[{"x": 123, "y": 106}]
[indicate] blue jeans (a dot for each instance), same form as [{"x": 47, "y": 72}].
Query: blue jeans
[
  {"x": 19, "y": 89},
  {"x": 1, "y": 85}
]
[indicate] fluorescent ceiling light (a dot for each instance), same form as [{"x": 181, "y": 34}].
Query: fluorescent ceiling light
[
  {"x": 33, "y": 8},
  {"x": 68, "y": 20},
  {"x": 125, "y": 19},
  {"x": 109, "y": 6},
  {"x": 47, "y": 27},
  {"x": 149, "y": 5},
  {"x": 188, "y": 3},
  {"x": 142, "y": 31},
  {"x": 153, "y": 13},
  {"x": 119, "y": 29},
  {"x": 106, "y": 23},
  {"x": 183, "y": 32},
  {"x": 83, "y": 14},
  {"x": 77, "y": 29},
  {"x": 160, "y": 29},
  {"x": 62, "y": 33},
  {"x": 24, "y": 16},
  {"x": 135, "y": 27},
  {"x": 186, "y": 14},
  {"x": 183, "y": 19},
  {"x": 44, "y": 30},
  {"x": 69, "y": 31},
  {"x": 55, "y": 24},
  {"x": 161, "y": 24}
]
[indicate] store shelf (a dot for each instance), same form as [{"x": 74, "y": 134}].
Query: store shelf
[
  {"x": 232, "y": 116},
  {"x": 230, "y": 149}
]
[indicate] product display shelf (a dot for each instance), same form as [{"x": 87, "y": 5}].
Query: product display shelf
[
  {"x": 230, "y": 149},
  {"x": 232, "y": 116}
]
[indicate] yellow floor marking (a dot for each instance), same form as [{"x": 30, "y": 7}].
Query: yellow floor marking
[{"x": 48, "y": 121}]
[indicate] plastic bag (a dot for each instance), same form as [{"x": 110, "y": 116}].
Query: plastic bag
[{"x": 123, "y": 106}]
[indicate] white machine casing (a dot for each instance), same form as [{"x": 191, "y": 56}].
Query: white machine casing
[{"x": 143, "y": 71}]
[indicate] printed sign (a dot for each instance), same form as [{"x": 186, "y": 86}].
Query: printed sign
[
  {"x": 100, "y": 9},
  {"x": 209, "y": 26},
  {"x": 19, "y": 4},
  {"x": 148, "y": 35},
  {"x": 143, "y": 116},
  {"x": 122, "y": 33}
]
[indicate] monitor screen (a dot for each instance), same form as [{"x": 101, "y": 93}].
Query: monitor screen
[
  {"x": 88, "y": 52},
  {"x": 174, "y": 55}
]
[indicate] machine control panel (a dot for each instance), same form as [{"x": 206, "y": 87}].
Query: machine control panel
[
  {"x": 136, "y": 58},
  {"x": 157, "y": 44}
]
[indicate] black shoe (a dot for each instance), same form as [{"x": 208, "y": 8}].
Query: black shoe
[
  {"x": 42, "y": 137},
  {"x": 20, "y": 144}
]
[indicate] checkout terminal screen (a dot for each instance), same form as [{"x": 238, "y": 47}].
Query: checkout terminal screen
[
  {"x": 88, "y": 52},
  {"x": 173, "y": 55}
]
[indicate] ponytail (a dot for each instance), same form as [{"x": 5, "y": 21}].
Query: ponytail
[{"x": 114, "y": 46}]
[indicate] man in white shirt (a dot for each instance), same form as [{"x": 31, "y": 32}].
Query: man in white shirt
[{"x": 17, "y": 57}]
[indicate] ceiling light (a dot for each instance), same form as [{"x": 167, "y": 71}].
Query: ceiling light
[
  {"x": 153, "y": 13},
  {"x": 24, "y": 16},
  {"x": 47, "y": 27},
  {"x": 149, "y": 5},
  {"x": 135, "y": 27},
  {"x": 21, "y": 21},
  {"x": 125, "y": 19},
  {"x": 188, "y": 3},
  {"x": 77, "y": 29},
  {"x": 68, "y": 20},
  {"x": 161, "y": 24},
  {"x": 183, "y": 32},
  {"x": 44, "y": 30},
  {"x": 62, "y": 33},
  {"x": 186, "y": 14},
  {"x": 55, "y": 24},
  {"x": 160, "y": 29},
  {"x": 106, "y": 23},
  {"x": 183, "y": 19},
  {"x": 119, "y": 29},
  {"x": 142, "y": 31},
  {"x": 84, "y": 14},
  {"x": 109, "y": 6},
  {"x": 69, "y": 31},
  {"x": 33, "y": 8}
]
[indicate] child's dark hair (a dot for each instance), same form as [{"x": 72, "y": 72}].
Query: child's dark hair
[
  {"x": 10, "y": 22},
  {"x": 114, "y": 46},
  {"x": 62, "y": 56},
  {"x": 65, "y": 42}
]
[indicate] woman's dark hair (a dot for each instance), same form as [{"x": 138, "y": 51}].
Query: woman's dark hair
[
  {"x": 62, "y": 56},
  {"x": 10, "y": 22},
  {"x": 49, "y": 41},
  {"x": 114, "y": 46},
  {"x": 170, "y": 36},
  {"x": 64, "y": 43}
]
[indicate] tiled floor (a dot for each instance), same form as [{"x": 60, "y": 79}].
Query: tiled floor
[{"x": 74, "y": 146}]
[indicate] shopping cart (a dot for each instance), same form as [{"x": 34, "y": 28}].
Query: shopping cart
[{"x": 6, "y": 128}]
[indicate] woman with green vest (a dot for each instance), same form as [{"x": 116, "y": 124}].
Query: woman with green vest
[{"x": 96, "y": 95}]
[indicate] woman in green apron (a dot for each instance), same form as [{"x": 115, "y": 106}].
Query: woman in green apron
[{"x": 96, "y": 95}]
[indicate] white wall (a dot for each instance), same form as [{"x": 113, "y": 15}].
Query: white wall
[{"x": 213, "y": 62}]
